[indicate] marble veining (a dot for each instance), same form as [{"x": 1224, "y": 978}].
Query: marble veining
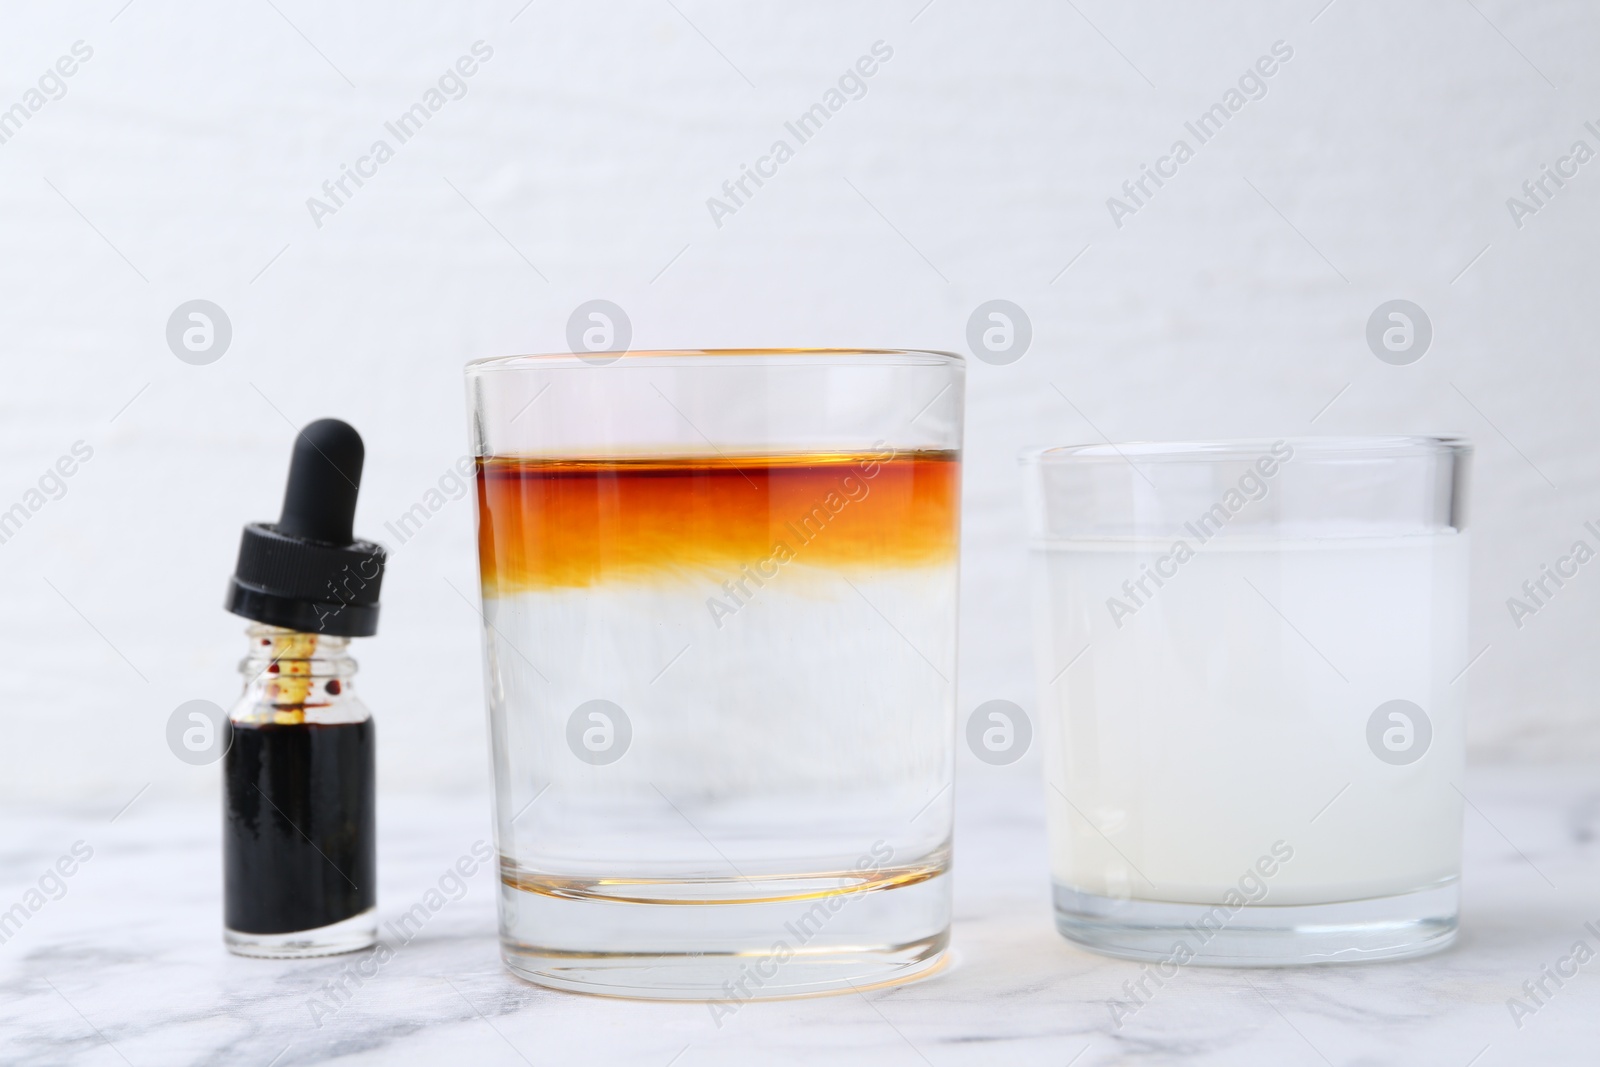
[{"x": 127, "y": 966}]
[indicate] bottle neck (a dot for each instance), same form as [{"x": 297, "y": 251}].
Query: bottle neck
[{"x": 293, "y": 677}]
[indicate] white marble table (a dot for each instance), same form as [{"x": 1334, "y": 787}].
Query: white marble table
[{"x": 127, "y": 966}]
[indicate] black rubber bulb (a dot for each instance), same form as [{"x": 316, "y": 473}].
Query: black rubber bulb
[{"x": 324, "y": 477}]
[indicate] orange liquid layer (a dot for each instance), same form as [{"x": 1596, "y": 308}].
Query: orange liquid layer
[{"x": 553, "y": 524}]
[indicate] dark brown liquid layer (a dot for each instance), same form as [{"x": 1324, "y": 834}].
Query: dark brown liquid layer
[
  {"x": 551, "y": 524},
  {"x": 299, "y": 826}
]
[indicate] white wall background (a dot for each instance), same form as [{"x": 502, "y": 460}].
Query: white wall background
[{"x": 178, "y": 164}]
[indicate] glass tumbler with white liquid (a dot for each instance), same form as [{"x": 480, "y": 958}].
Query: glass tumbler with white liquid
[
  {"x": 1250, "y": 662},
  {"x": 719, "y": 597}
]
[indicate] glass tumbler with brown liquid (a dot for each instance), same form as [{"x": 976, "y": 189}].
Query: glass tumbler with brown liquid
[{"x": 719, "y": 596}]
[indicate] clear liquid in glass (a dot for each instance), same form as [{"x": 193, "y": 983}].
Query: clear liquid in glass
[{"x": 721, "y": 699}]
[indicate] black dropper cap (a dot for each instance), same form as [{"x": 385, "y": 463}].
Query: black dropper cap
[{"x": 306, "y": 571}]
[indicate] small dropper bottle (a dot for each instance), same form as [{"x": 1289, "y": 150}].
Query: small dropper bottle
[{"x": 299, "y": 821}]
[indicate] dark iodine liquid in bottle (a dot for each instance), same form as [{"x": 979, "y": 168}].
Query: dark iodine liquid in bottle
[{"x": 299, "y": 826}]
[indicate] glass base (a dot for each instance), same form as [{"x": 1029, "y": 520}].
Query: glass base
[
  {"x": 793, "y": 944},
  {"x": 1379, "y": 928},
  {"x": 351, "y": 935}
]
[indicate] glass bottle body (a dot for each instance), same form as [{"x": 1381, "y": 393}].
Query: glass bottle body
[{"x": 299, "y": 855}]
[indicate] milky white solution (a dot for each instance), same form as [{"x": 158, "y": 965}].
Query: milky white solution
[{"x": 1215, "y": 721}]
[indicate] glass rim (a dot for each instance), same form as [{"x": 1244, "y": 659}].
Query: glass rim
[
  {"x": 714, "y": 356},
  {"x": 1221, "y": 450}
]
